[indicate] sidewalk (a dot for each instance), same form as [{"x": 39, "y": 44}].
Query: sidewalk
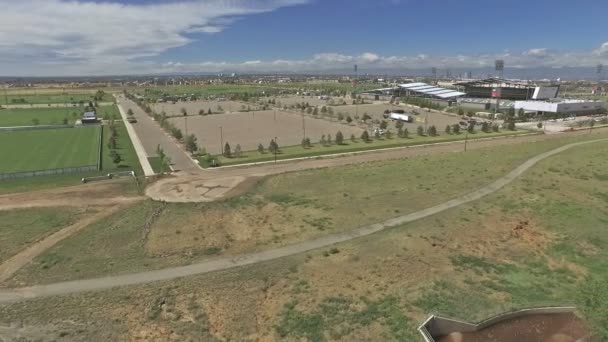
[{"x": 139, "y": 148}]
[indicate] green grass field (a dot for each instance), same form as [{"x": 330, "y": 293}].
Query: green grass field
[
  {"x": 349, "y": 146},
  {"x": 22, "y": 227},
  {"x": 45, "y": 98},
  {"x": 49, "y": 116},
  {"x": 48, "y": 149}
]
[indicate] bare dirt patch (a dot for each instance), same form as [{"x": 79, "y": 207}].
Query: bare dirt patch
[{"x": 253, "y": 128}]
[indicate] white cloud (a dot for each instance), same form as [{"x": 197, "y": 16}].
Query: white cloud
[{"x": 104, "y": 34}]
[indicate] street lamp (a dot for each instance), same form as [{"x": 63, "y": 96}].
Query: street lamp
[{"x": 466, "y": 139}]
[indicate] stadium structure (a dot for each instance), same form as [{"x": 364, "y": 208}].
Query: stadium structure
[{"x": 417, "y": 89}]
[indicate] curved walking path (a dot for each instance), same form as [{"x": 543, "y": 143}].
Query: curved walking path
[{"x": 224, "y": 263}]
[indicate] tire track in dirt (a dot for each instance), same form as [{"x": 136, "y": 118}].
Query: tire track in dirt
[
  {"x": 228, "y": 262},
  {"x": 16, "y": 262}
]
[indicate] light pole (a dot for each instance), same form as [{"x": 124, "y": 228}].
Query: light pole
[
  {"x": 222, "y": 140},
  {"x": 303, "y": 126},
  {"x": 466, "y": 139},
  {"x": 186, "y": 124}
]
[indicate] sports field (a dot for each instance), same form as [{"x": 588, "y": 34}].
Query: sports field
[
  {"x": 30, "y": 98},
  {"x": 48, "y": 149},
  {"x": 49, "y": 116}
]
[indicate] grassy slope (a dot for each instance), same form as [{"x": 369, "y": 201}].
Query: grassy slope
[
  {"x": 350, "y": 146},
  {"x": 314, "y": 203},
  {"x": 468, "y": 262},
  {"x": 22, "y": 227},
  {"x": 48, "y": 149}
]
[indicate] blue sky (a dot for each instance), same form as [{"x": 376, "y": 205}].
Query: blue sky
[{"x": 137, "y": 36}]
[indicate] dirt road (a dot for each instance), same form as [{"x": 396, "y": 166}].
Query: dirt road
[
  {"x": 92, "y": 194},
  {"x": 16, "y": 262},
  {"x": 224, "y": 263}
]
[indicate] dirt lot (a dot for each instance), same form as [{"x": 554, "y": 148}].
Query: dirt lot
[
  {"x": 193, "y": 107},
  {"x": 544, "y": 328},
  {"x": 253, "y": 128},
  {"x": 311, "y": 100}
]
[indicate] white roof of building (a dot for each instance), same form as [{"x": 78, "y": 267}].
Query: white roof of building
[{"x": 427, "y": 89}]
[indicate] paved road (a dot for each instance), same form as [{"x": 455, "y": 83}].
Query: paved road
[
  {"x": 151, "y": 135},
  {"x": 224, "y": 263}
]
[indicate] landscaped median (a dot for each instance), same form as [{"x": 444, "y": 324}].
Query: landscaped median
[{"x": 348, "y": 146}]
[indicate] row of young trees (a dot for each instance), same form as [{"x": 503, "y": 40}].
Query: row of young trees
[{"x": 113, "y": 144}]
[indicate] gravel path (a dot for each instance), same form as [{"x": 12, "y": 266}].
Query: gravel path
[{"x": 224, "y": 263}]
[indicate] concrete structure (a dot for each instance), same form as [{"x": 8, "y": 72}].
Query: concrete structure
[
  {"x": 498, "y": 88},
  {"x": 417, "y": 89},
  {"x": 566, "y": 107}
]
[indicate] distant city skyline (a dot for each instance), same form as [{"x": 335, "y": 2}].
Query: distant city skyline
[{"x": 72, "y": 38}]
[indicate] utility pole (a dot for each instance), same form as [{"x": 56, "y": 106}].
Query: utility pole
[
  {"x": 466, "y": 139},
  {"x": 186, "y": 124},
  {"x": 303, "y": 126},
  {"x": 355, "y": 92}
]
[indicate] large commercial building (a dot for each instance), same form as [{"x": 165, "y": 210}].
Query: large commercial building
[
  {"x": 507, "y": 90},
  {"x": 563, "y": 107},
  {"x": 417, "y": 89}
]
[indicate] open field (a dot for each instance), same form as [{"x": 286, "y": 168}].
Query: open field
[
  {"x": 251, "y": 129},
  {"x": 49, "y": 148},
  {"x": 193, "y": 107},
  {"x": 49, "y": 116},
  {"x": 124, "y": 148},
  {"x": 279, "y": 211},
  {"x": 22, "y": 227},
  {"x": 539, "y": 241},
  {"x": 44, "y": 98},
  {"x": 297, "y": 151}
]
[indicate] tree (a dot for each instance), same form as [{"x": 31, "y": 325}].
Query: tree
[
  {"x": 273, "y": 147},
  {"x": 237, "y": 151},
  {"x": 35, "y": 121},
  {"x": 400, "y": 132},
  {"x": 191, "y": 145},
  {"x": 471, "y": 127},
  {"x": 353, "y": 138},
  {"x": 432, "y": 131},
  {"x": 65, "y": 121},
  {"x": 456, "y": 129},
  {"x": 348, "y": 119},
  {"x": 356, "y": 117},
  {"x": 399, "y": 124},
  {"x": 304, "y": 145},
  {"x": 470, "y": 114},
  {"x": 227, "y": 151},
  {"x": 448, "y": 129},
  {"x": 460, "y": 111},
  {"x": 365, "y": 136},
  {"x": 315, "y": 112},
  {"x": 261, "y": 148},
  {"x": 323, "y": 110},
  {"x": 329, "y": 141},
  {"x": 177, "y": 133},
  {"x": 130, "y": 112},
  {"x": 339, "y": 138},
  {"x": 112, "y": 143},
  {"x": 323, "y": 142},
  {"x": 495, "y": 128},
  {"x": 485, "y": 127},
  {"x": 389, "y": 134},
  {"x": 340, "y": 116},
  {"x": 365, "y": 117},
  {"x": 383, "y": 124},
  {"x": 209, "y": 112},
  {"x": 116, "y": 158},
  {"x": 308, "y": 143},
  {"x": 420, "y": 130},
  {"x": 406, "y": 134},
  {"x": 539, "y": 125},
  {"x": 377, "y": 134},
  {"x": 308, "y": 110},
  {"x": 511, "y": 126}
]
